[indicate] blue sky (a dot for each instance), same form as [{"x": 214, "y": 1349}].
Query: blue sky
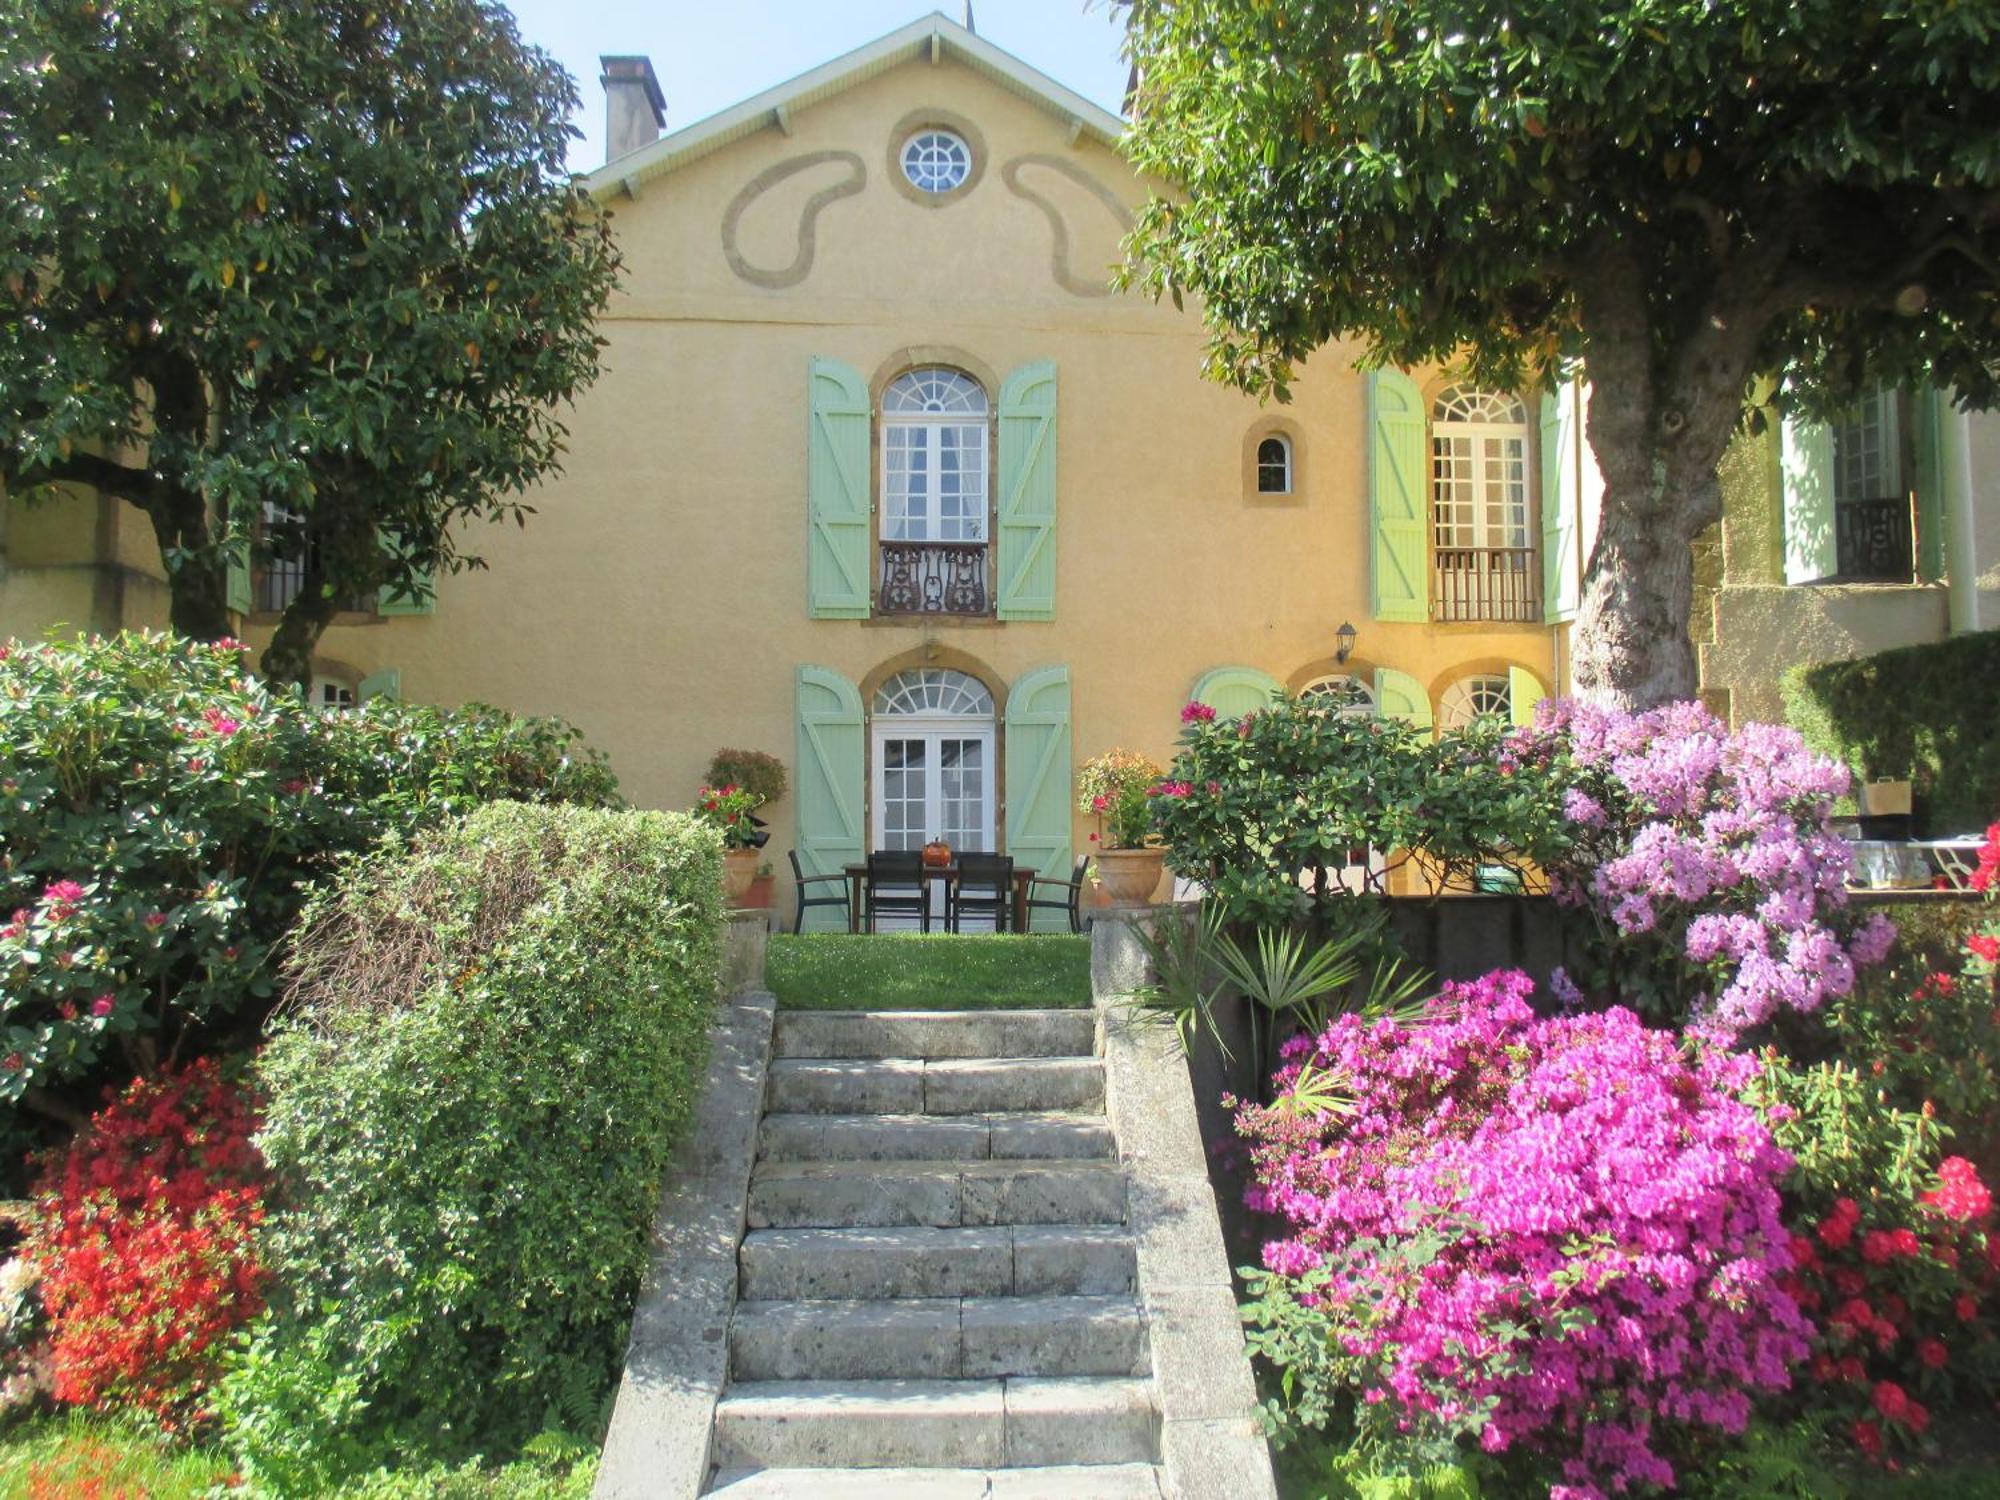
[{"x": 711, "y": 55}]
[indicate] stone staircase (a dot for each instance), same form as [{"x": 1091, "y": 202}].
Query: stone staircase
[{"x": 938, "y": 1287}]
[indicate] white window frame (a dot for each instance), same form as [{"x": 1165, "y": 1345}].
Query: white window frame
[
  {"x": 1353, "y": 696},
  {"x": 935, "y": 160},
  {"x": 1284, "y": 464},
  {"x": 1459, "y": 705},
  {"x": 1480, "y": 419},
  {"x": 915, "y": 424},
  {"x": 1875, "y": 420}
]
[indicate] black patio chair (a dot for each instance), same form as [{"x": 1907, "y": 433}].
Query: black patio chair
[
  {"x": 896, "y": 887},
  {"x": 984, "y": 888},
  {"x": 1071, "y": 899},
  {"x": 803, "y": 881}
]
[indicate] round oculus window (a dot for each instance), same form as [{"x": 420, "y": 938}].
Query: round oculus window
[{"x": 936, "y": 161}]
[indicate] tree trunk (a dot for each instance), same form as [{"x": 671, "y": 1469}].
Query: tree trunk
[
  {"x": 287, "y": 660},
  {"x": 1630, "y": 646},
  {"x": 197, "y": 575}
]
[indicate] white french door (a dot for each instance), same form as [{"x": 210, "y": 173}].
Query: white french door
[{"x": 933, "y": 781}]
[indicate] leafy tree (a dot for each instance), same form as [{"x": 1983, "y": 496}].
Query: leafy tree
[
  {"x": 1690, "y": 197},
  {"x": 321, "y": 254}
]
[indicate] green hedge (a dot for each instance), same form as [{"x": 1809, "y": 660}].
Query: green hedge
[
  {"x": 491, "y": 1043},
  {"x": 1931, "y": 713}
]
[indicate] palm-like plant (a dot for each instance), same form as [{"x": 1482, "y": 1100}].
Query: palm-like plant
[{"x": 1287, "y": 981}]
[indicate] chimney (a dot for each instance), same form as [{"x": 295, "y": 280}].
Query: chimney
[{"x": 634, "y": 108}]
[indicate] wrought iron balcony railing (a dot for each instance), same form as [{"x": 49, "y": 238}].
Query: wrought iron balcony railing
[
  {"x": 1496, "y": 584},
  {"x": 1872, "y": 540},
  {"x": 933, "y": 578}
]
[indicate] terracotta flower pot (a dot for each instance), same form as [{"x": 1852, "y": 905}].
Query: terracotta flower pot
[
  {"x": 1130, "y": 876},
  {"x": 739, "y": 868}
]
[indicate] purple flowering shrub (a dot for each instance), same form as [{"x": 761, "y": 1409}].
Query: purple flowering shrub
[
  {"x": 1557, "y": 1239},
  {"x": 1705, "y": 855}
]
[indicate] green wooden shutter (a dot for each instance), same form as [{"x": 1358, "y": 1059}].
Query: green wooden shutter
[
  {"x": 1235, "y": 691},
  {"x": 1400, "y": 696},
  {"x": 1562, "y": 495},
  {"x": 829, "y": 777},
  {"x": 1805, "y": 464},
  {"x": 1524, "y": 691},
  {"x": 1026, "y": 561},
  {"x": 236, "y": 584},
  {"x": 390, "y": 601},
  {"x": 1927, "y": 412},
  {"x": 837, "y": 572},
  {"x": 1396, "y": 491},
  {"x": 387, "y": 683},
  {"x": 1040, "y": 779}
]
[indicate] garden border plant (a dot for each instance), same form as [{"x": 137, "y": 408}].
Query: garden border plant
[{"x": 491, "y": 1043}]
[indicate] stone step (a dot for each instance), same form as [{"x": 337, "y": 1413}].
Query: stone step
[
  {"x": 952, "y": 1086},
  {"x": 938, "y": 1338},
  {"x": 945, "y": 1424},
  {"x": 869, "y": 1137},
  {"x": 854, "y": 1194},
  {"x": 935, "y": 1034},
  {"x": 1064, "y": 1482},
  {"x": 782, "y": 1265}
]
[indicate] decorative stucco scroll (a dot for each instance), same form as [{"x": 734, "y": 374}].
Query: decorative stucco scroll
[
  {"x": 762, "y": 183},
  {"x": 1060, "y": 268}
]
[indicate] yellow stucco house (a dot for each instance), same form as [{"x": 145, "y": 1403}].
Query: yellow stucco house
[
  {"x": 882, "y": 477},
  {"x": 1843, "y": 539}
]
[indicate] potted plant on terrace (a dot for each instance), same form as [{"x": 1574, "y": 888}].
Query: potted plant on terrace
[
  {"x": 728, "y": 809},
  {"x": 1114, "y": 787},
  {"x": 762, "y": 775}
]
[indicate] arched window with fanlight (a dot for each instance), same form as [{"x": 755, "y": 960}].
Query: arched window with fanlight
[
  {"x": 934, "y": 493},
  {"x": 1483, "y": 557},
  {"x": 1475, "y": 697},
  {"x": 1342, "y": 693}
]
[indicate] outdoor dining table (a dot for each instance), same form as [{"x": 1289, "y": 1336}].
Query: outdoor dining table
[{"x": 857, "y": 880}]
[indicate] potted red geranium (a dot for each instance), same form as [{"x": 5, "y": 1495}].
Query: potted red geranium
[{"x": 728, "y": 808}]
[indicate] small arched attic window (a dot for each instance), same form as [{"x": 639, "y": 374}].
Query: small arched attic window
[{"x": 1274, "y": 465}]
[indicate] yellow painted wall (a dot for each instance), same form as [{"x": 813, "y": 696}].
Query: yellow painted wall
[
  {"x": 658, "y": 598},
  {"x": 77, "y": 563}
]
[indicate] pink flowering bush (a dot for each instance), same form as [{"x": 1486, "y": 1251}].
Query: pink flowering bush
[
  {"x": 159, "y": 812},
  {"x": 1705, "y": 856},
  {"x": 1558, "y": 1240}
]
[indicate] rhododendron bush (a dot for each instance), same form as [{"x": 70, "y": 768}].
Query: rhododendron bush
[
  {"x": 1707, "y": 859},
  {"x": 1265, "y": 810},
  {"x": 1599, "y": 1266},
  {"x": 159, "y": 810},
  {"x": 145, "y": 1244}
]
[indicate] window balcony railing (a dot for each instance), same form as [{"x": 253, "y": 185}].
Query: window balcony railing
[
  {"x": 1872, "y": 540},
  {"x": 933, "y": 578},
  {"x": 1491, "y": 584},
  {"x": 276, "y": 584}
]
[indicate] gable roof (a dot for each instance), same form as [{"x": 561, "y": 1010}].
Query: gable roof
[{"x": 933, "y": 37}]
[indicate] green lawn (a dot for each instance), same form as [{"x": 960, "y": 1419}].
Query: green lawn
[
  {"x": 77, "y": 1455},
  {"x": 897, "y": 971},
  {"x": 49, "y": 1457}
]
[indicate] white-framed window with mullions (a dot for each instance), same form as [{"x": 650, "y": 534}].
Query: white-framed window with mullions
[
  {"x": 1483, "y": 564},
  {"x": 935, "y": 494},
  {"x": 1476, "y": 696},
  {"x": 935, "y": 160},
  {"x": 934, "y": 425}
]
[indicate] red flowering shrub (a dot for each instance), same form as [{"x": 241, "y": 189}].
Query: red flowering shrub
[{"x": 145, "y": 1243}]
